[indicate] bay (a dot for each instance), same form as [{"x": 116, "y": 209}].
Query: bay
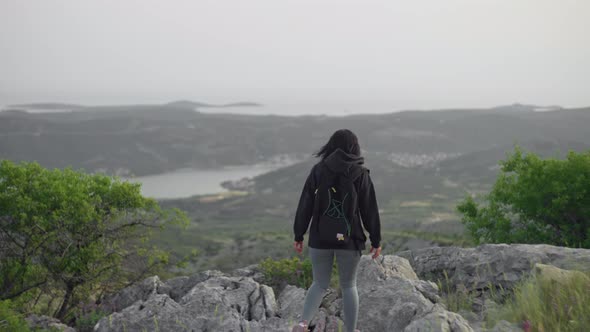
[{"x": 190, "y": 182}]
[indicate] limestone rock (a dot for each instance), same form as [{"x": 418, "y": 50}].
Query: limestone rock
[
  {"x": 269, "y": 301},
  {"x": 291, "y": 303},
  {"x": 428, "y": 288},
  {"x": 274, "y": 324},
  {"x": 324, "y": 322},
  {"x": 383, "y": 267},
  {"x": 251, "y": 271},
  {"x": 439, "y": 320},
  {"x": 219, "y": 303},
  {"x": 499, "y": 265},
  {"x": 332, "y": 301},
  {"x": 129, "y": 295},
  {"x": 178, "y": 287},
  {"x": 46, "y": 323},
  {"x": 229, "y": 294},
  {"x": 390, "y": 299}
]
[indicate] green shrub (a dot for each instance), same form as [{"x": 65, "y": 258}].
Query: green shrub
[
  {"x": 11, "y": 320},
  {"x": 292, "y": 271},
  {"x": 71, "y": 235},
  {"x": 546, "y": 305},
  {"x": 534, "y": 200}
]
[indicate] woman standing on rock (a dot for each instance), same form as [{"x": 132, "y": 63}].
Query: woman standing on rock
[{"x": 338, "y": 196}]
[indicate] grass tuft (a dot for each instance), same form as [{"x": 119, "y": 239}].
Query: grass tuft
[{"x": 543, "y": 304}]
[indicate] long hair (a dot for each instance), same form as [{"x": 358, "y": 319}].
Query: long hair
[{"x": 341, "y": 139}]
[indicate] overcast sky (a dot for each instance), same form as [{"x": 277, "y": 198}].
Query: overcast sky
[{"x": 409, "y": 54}]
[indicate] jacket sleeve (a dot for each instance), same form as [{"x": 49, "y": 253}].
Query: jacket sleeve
[
  {"x": 305, "y": 208},
  {"x": 369, "y": 210}
]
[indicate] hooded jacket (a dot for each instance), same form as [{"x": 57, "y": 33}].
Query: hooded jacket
[{"x": 367, "y": 214}]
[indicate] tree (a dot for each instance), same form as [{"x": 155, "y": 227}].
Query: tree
[
  {"x": 534, "y": 200},
  {"x": 72, "y": 234}
]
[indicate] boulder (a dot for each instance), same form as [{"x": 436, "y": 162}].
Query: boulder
[
  {"x": 391, "y": 298},
  {"x": 383, "y": 267},
  {"x": 129, "y": 295},
  {"x": 222, "y": 295},
  {"x": 496, "y": 265},
  {"x": 46, "y": 323},
  {"x": 177, "y": 287},
  {"x": 251, "y": 271},
  {"x": 218, "y": 303},
  {"x": 291, "y": 303},
  {"x": 439, "y": 320}
]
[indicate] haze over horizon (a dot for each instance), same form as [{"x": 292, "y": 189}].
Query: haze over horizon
[{"x": 397, "y": 55}]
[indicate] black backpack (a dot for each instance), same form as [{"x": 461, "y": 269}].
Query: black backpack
[{"x": 335, "y": 206}]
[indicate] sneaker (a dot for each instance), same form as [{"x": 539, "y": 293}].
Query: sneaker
[{"x": 300, "y": 327}]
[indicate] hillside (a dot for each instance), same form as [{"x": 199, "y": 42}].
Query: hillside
[
  {"x": 422, "y": 164},
  {"x": 150, "y": 139}
]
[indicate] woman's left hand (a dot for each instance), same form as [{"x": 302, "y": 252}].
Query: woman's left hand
[{"x": 298, "y": 246}]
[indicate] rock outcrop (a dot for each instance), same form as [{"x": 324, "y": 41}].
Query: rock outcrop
[
  {"x": 216, "y": 302},
  {"x": 495, "y": 265},
  {"x": 392, "y": 298},
  {"x": 45, "y": 323},
  {"x": 395, "y": 293}
]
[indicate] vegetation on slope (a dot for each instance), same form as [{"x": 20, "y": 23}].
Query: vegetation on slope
[
  {"x": 544, "y": 304},
  {"x": 150, "y": 139},
  {"x": 534, "y": 200},
  {"x": 68, "y": 237}
]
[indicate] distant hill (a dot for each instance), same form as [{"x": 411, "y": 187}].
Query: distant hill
[
  {"x": 149, "y": 139},
  {"x": 47, "y": 106},
  {"x": 175, "y": 104},
  {"x": 192, "y": 104},
  {"x": 518, "y": 107},
  {"x": 483, "y": 166}
]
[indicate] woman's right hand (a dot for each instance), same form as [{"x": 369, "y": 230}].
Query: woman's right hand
[
  {"x": 377, "y": 252},
  {"x": 298, "y": 246}
]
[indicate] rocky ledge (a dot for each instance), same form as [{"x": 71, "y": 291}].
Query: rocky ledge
[
  {"x": 392, "y": 296},
  {"x": 492, "y": 265}
]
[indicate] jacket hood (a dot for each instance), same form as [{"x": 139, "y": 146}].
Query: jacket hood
[{"x": 344, "y": 163}]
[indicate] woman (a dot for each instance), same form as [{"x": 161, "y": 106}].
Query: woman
[{"x": 340, "y": 157}]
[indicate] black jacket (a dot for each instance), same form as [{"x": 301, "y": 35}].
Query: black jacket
[{"x": 368, "y": 212}]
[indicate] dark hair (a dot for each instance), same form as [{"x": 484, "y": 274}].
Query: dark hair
[{"x": 343, "y": 139}]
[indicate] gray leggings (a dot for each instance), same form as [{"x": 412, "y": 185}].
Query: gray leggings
[{"x": 322, "y": 261}]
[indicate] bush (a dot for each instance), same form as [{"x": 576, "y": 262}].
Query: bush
[
  {"x": 534, "y": 200},
  {"x": 11, "y": 320},
  {"x": 546, "y": 305},
  {"x": 291, "y": 271},
  {"x": 73, "y": 235}
]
